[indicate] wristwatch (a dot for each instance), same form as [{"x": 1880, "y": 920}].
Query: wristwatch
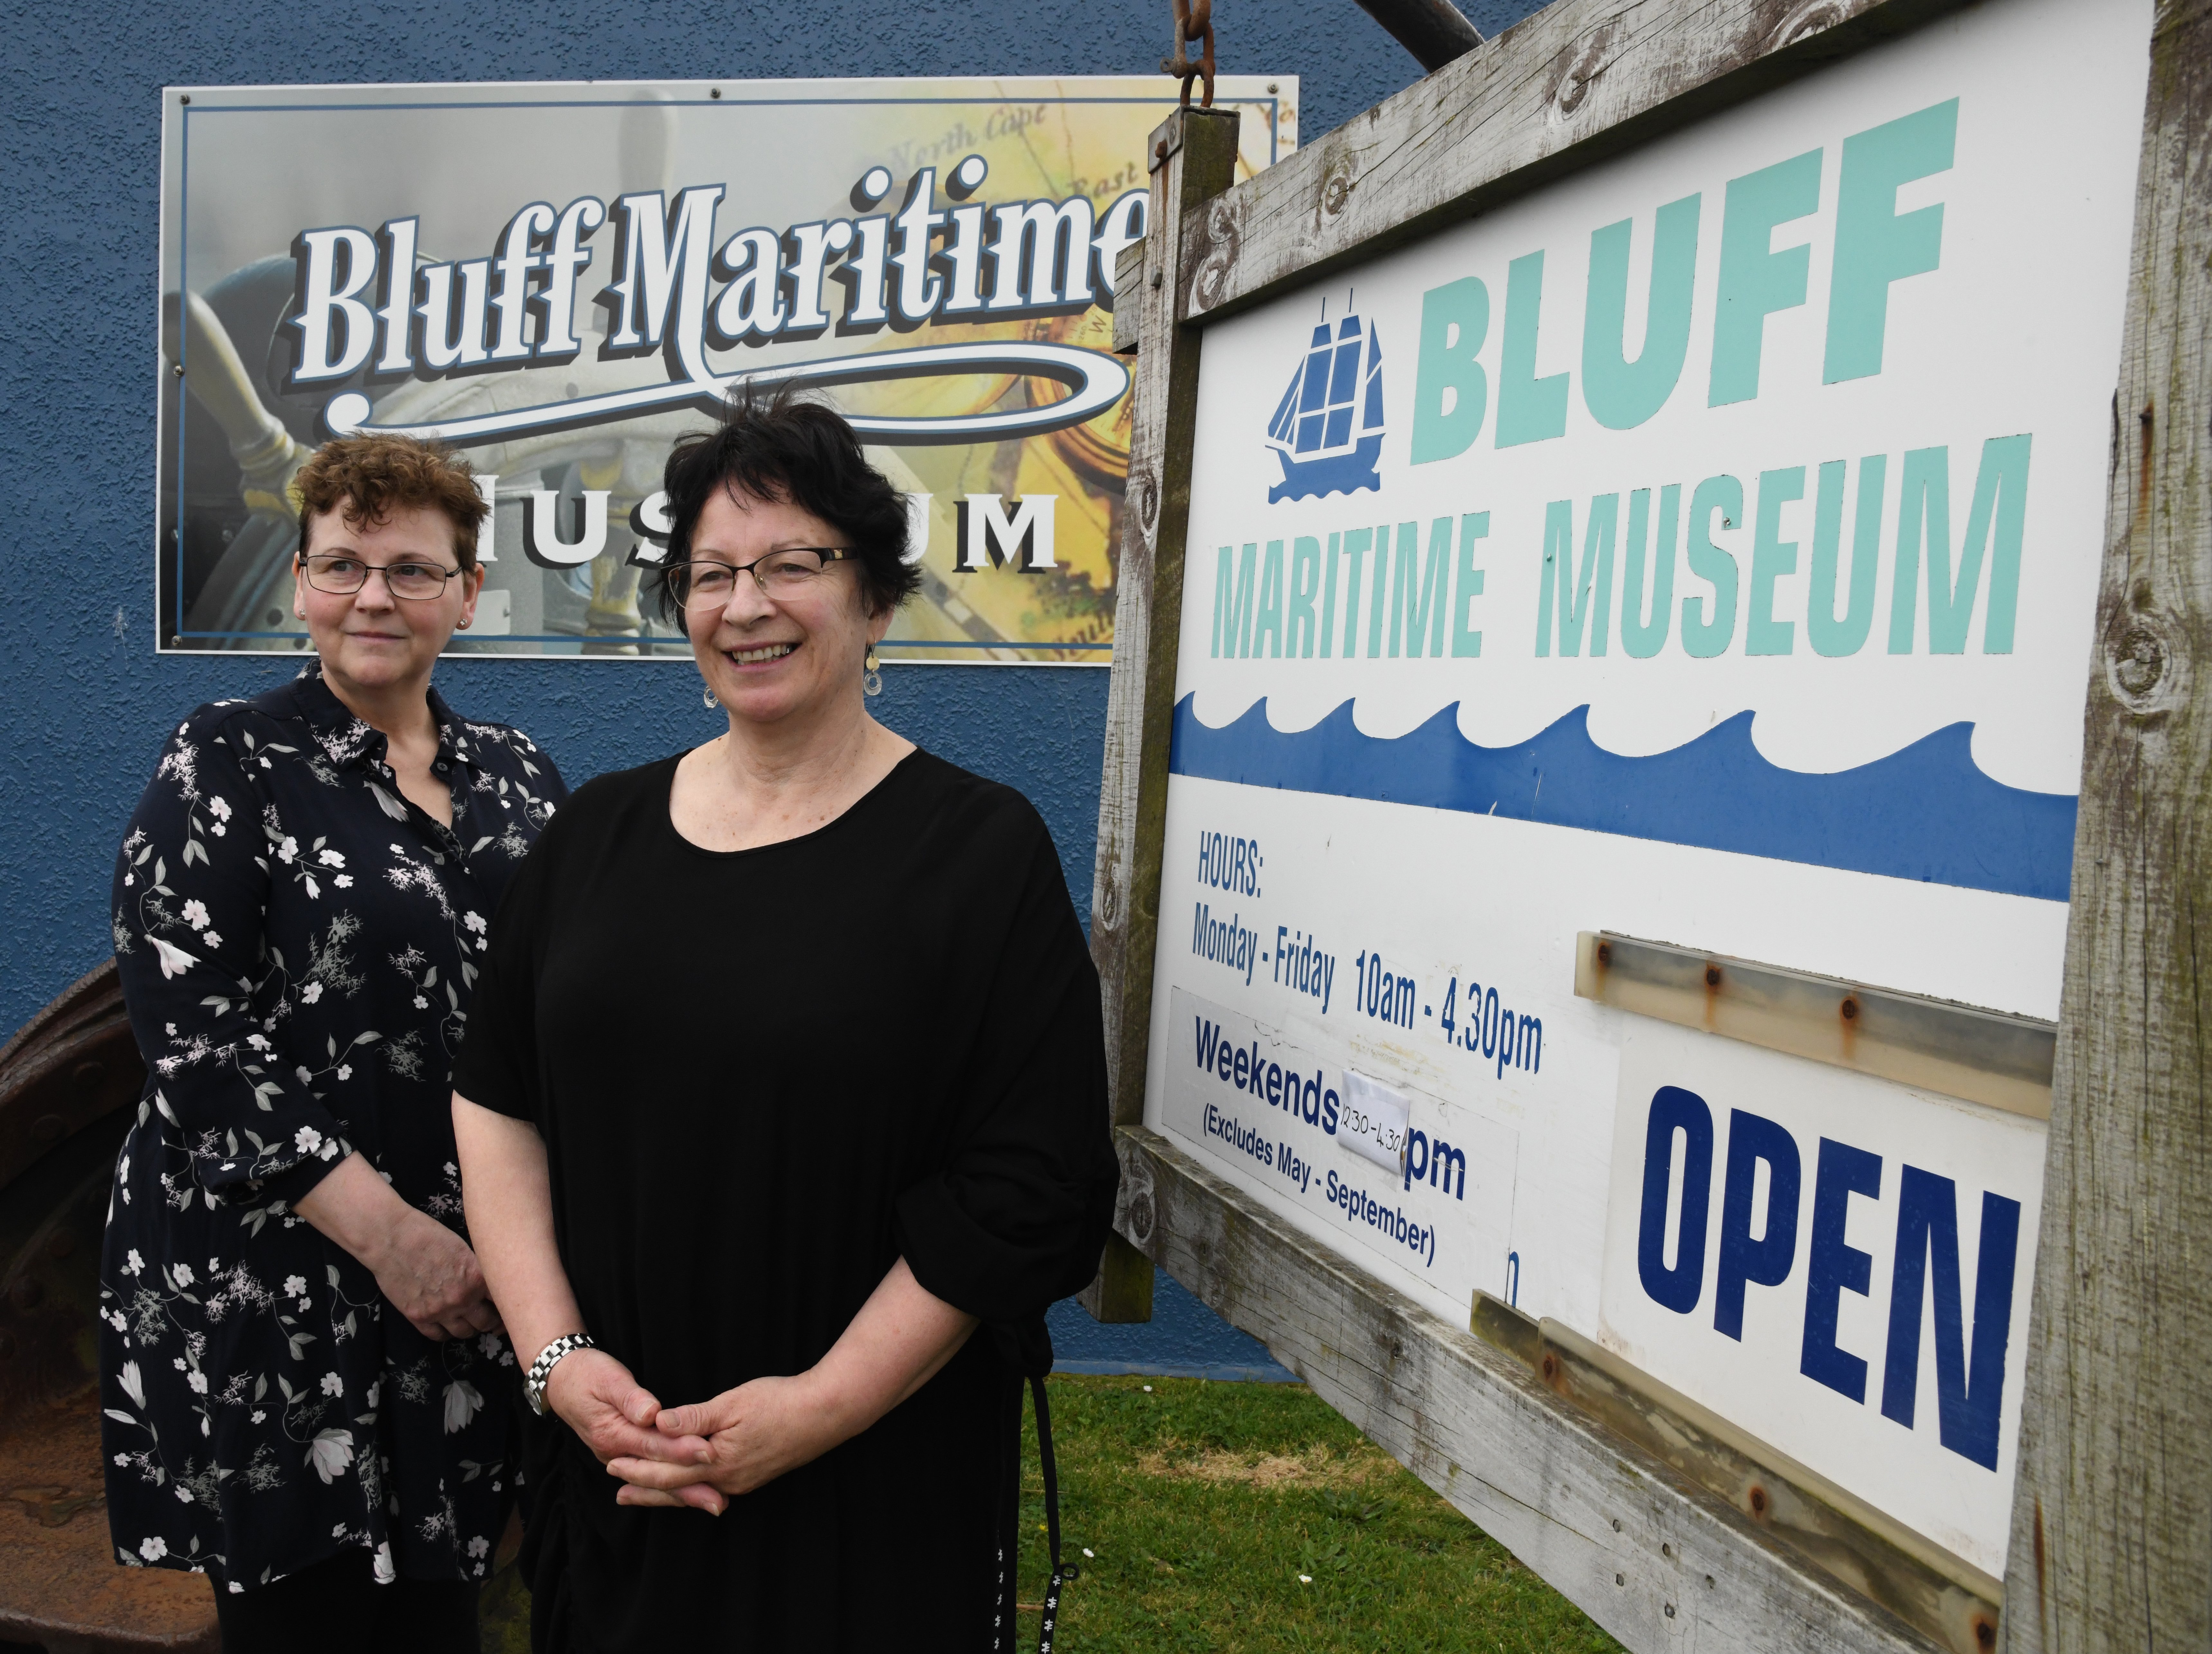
[{"x": 533, "y": 1385}]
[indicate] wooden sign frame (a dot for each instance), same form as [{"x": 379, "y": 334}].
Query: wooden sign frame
[{"x": 1638, "y": 1506}]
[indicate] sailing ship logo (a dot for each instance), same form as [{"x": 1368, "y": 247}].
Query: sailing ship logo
[{"x": 1327, "y": 429}]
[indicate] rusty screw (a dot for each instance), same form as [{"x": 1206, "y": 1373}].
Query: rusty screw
[
  {"x": 1551, "y": 1372},
  {"x": 1851, "y": 1009},
  {"x": 1759, "y": 1501},
  {"x": 1985, "y": 1633},
  {"x": 1712, "y": 975},
  {"x": 1605, "y": 953}
]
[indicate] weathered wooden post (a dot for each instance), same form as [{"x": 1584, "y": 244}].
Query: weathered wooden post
[
  {"x": 1604, "y": 731},
  {"x": 2111, "y": 1532},
  {"x": 1193, "y": 159}
]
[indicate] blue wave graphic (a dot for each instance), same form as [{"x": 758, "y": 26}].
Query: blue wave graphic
[{"x": 1926, "y": 811}]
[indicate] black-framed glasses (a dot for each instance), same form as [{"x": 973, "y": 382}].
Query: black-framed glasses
[
  {"x": 414, "y": 579},
  {"x": 786, "y": 572}
]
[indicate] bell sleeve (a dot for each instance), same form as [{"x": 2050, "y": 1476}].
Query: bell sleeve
[
  {"x": 208, "y": 999},
  {"x": 1018, "y": 1215}
]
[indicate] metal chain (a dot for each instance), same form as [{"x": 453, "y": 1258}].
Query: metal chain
[{"x": 1193, "y": 20}]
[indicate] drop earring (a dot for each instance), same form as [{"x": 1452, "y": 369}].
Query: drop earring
[
  {"x": 872, "y": 679},
  {"x": 708, "y": 699}
]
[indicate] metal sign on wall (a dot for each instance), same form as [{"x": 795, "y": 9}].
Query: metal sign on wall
[
  {"x": 1617, "y": 716},
  {"x": 559, "y": 279}
]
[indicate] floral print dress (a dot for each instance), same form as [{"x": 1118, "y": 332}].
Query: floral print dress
[{"x": 298, "y": 944}]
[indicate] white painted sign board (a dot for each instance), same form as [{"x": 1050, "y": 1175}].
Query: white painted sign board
[{"x": 1701, "y": 549}]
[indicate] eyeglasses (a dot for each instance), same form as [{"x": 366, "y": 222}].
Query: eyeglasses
[
  {"x": 340, "y": 576},
  {"x": 704, "y": 583}
]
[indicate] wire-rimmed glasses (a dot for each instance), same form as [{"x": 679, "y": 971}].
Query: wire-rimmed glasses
[
  {"x": 786, "y": 572},
  {"x": 417, "y": 579}
]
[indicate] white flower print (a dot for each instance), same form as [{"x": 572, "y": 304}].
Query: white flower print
[
  {"x": 174, "y": 960},
  {"x": 331, "y": 1453},
  {"x": 385, "y": 1573},
  {"x": 479, "y": 1544},
  {"x": 463, "y": 1401},
  {"x": 422, "y": 1004},
  {"x": 249, "y": 962}
]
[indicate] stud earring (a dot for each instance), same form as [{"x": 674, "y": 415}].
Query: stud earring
[
  {"x": 708, "y": 699},
  {"x": 464, "y": 624},
  {"x": 872, "y": 679}
]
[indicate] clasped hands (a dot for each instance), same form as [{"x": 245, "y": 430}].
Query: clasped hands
[{"x": 699, "y": 1456}]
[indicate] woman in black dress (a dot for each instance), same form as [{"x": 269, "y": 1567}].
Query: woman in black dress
[
  {"x": 786, "y": 1074},
  {"x": 304, "y": 1388}
]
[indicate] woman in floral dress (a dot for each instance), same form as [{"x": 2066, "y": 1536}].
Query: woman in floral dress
[{"x": 305, "y": 1385}]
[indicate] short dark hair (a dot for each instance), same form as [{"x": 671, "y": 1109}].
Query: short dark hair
[
  {"x": 370, "y": 477},
  {"x": 780, "y": 446}
]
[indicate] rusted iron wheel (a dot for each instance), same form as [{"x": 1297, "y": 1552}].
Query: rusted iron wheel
[{"x": 69, "y": 1081}]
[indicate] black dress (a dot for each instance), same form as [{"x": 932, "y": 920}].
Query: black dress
[
  {"x": 761, "y": 1077},
  {"x": 297, "y": 945}
]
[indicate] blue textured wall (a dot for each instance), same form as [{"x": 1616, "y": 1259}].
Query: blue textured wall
[{"x": 86, "y": 700}]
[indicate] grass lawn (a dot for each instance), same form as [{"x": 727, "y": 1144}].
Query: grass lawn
[{"x": 1204, "y": 1504}]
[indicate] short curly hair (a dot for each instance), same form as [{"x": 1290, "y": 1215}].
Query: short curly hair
[
  {"x": 370, "y": 477},
  {"x": 779, "y": 446}
]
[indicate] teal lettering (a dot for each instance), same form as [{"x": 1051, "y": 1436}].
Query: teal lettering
[
  {"x": 1450, "y": 391},
  {"x": 1356, "y": 542},
  {"x": 1376, "y": 593},
  {"x": 1830, "y": 636},
  {"x": 1329, "y": 597},
  {"x": 1755, "y": 280},
  {"x": 1305, "y": 579},
  {"x": 1621, "y": 394},
  {"x": 1704, "y": 638},
  {"x": 1409, "y": 617},
  {"x": 1529, "y": 409},
  {"x": 1771, "y": 557},
  {"x": 1270, "y": 623},
  {"x": 1995, "y": 524},
  {"x": 1232, "y": 615},
  {"x": 1875, "y": 244},
  {"x": 1466, "y": 641},
  {"x": 1583, "y": 598},
  {"x": 1643, "y": 638}
]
